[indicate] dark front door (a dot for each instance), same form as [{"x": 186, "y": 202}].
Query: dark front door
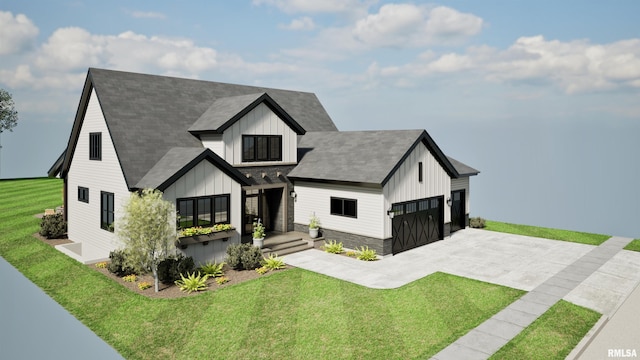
[
  {"x": 416, "y": 223},
  {"x": 266, "y": 205},
  {"x": 458, "y": 213}
]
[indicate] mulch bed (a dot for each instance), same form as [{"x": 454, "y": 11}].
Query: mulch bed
[
  {"x": 171, "y": 291},
  {"x": 166, "y": 291}
]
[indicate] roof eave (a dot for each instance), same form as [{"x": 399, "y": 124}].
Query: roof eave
[
  {"x": 273, "y": 105},
  {"x": 56, "y": 168},
  {"x": 214, "y": 159},
  {"x": 77, "y": 124},
  {"x": 433, "y": 148},
  {"x": 337, "y": 182}
]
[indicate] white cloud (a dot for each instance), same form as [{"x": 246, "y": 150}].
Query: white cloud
[
  {"x": 408, "y": 25},
  {"x": 148, "y": 15},
  {"x": 303, "y": 23},
  {"x": 16, "y": 78},
  {"x": 319, "y": 6},
  {"x": 17, "y": 33},
  {"x": 62, "y": 61},
  {"x": 393, "y": 26},
  {"x": 69, "y": 49},
  {"x": 575, "y": 66}
]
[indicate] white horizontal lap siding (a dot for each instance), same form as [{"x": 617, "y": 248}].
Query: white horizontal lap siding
[
  {"x": 214, "y": 142},
  {"x": 206, "y": 179},
  {"x": 462, "y": 184},
  {"x": 259, "y": 121},
  {"x": 104, "y": 175},
  {"x": 316, "y": 198},
  {"x": 404, "y": 185}
]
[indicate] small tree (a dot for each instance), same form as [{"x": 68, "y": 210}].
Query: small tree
[
  {"x": 8, "y": 113},
  {"x": 147, "y": 229}
]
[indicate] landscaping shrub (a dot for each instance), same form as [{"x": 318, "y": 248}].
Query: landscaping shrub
[
  {"x": 53, "y": 226},
  {"x": 273, "y": 262},
  {"x": 333, "y": 247},
  {"x": 366, "y": 254},
  {"x": 172, "y": 268},
  {"x": 477, "y": 223},
  {"x": 222, "y": 280},
  {"x": 192, "y": 282},
  {"x": 212, "y": 269},
  {"x": 243, "y": 256},
  {"x": 251, "y": 258},
  {"x": 117, "y": 265}
]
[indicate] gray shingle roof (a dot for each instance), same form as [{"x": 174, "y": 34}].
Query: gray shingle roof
[
  {"x": 222, "y": 110},
  {"x": 463, "y": 169},
  {"x": 360, "y": 156},
  {"x": 147, "y": 115},
  {"x": 177, "y": 161},
  {"x": 225, "y": 111}
]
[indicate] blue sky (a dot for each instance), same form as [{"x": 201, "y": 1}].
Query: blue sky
[{"x": 541, "y": 96}]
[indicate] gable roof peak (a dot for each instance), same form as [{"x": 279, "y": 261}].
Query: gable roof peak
[{"x": 225, "y": 111}]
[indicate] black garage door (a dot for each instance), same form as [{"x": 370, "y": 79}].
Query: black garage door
[{"x": 416, "y": 223}]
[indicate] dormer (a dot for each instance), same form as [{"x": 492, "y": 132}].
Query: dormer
[{"x": 249, "y": 130}]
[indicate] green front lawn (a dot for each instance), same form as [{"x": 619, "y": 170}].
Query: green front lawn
[
  {"x": 547, "y": 233},
  {"x": 553, "y": 335},
  {"x": 292, "y": 314},
  {"x": 634, "y": 245}
]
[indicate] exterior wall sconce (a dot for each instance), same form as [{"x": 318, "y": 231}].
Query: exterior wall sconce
[
  {"x": 391, "y": 213},
  {"x": 449, "y": 201},
  {"x": 264, "y": 174},
  {"x": 293, "y": 194},
  {"x": 278, "y": 174}
]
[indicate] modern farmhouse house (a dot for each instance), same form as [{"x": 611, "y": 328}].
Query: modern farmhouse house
[{"x": 232, "y": 154}]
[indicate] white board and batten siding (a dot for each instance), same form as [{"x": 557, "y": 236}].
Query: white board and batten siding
[
  {"x": 316, "y": 198},
  {"x": 462, "y": 184},
  {"x": 96, "y": 175},
  {"x": 404, "y": 185},
  {"x": 259, "y": 121},
  {"x": 214, "y": 143},
  {"x": 203, "y": 180}
]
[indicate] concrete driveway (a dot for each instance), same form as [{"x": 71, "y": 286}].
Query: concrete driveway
[{"x": 515, "y": 261}]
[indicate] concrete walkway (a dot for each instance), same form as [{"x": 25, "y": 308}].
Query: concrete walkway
[
  {"x": 599, "y": 278},
  {"x": 490, "y": 336},
  {"x": 618, "y": 335}
]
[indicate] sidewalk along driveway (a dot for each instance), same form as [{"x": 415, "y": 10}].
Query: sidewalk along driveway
[{"x": 515, "y": 261}]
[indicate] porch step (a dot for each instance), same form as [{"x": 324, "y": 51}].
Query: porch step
[{"x": 288, "y": 246}]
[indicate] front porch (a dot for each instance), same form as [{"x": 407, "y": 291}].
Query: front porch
[{"x": 283, "y": 243}]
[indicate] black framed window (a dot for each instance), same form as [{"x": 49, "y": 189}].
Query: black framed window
[
  {"x": 83, "y": 194},
  {"x": 203, "y": 211},
  {"x": 221, "y": 209},
  {"x": 344, "y": 207},
  {"x": 106, "y": 210},
  {"x": 261, "y": 148},
  {"x": 95, "y": 146},
  {"x": 420, "y": 171}
]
